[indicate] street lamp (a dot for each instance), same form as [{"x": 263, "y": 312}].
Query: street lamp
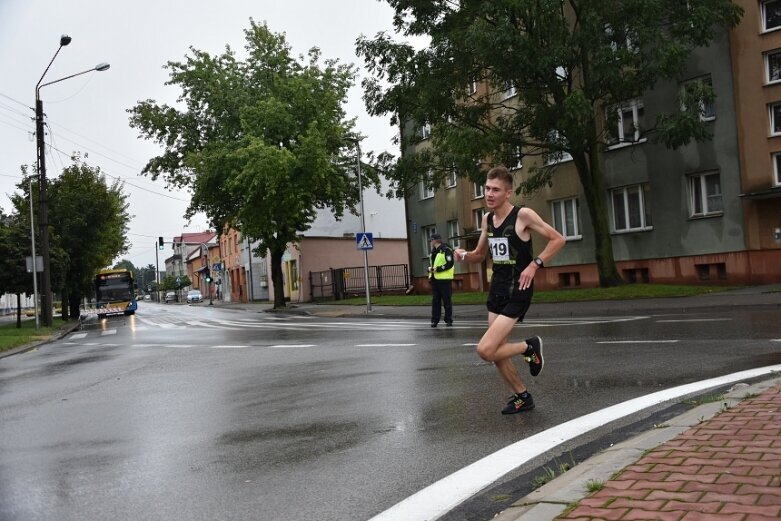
[{"x": 43, "y": 218}]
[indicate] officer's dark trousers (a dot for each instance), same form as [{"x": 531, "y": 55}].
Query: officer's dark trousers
[{"x": 442, "y": 294}]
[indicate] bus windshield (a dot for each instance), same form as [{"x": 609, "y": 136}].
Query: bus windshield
[{"x": 114, "y": 287}]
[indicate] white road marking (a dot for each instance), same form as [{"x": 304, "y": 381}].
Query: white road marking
[
  {"x": 227, "y": 347},
  {"x": 283, "y": 346},
  {"x": 443, "y": 496},
  {"x": 108, "y": 332},
  {"x": 472, "y": 344},
  {"x": 384, "y": 345},
  {"x": 693, "y": 320},
  {"x": 77, "y": 336},
  {"x": 197, "y": 323},
  {"x": 775, "y": 339},
  {"x": 638, "y": 342}
]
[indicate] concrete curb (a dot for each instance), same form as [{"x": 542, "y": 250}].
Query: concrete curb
[{"x": 553, "y": 498}]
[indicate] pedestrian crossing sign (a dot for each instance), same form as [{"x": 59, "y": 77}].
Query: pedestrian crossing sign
[{"x": 364, "y": 241}]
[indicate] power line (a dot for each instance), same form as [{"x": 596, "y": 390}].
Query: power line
[
  {"x": 118, "y": 178},
  {"x": 17, "y": 101}
]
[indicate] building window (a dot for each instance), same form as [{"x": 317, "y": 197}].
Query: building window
[
  {"x": 516, "y": 160},
  {"x": 631, "y": 211},
  {"x": 704, "y": 195},
  {"x": 452, "y": 177},
  {"x": 426, "y": 190},
  {"x": 471, "y": 87},
  {"x": 566, "y": 217},
  {"x": 425, "y": 131},
  {"x": 477, "y": 216},
  {"x": 509, "y": 90},
  {"x": 426, "y": 233},
  {"x": 695, "y": 88},
  {"x": 625, "y": 122},
  {"x": 777, "y": 168},
  {"x": 775, "y": 118},
  {"x": 771, "y": 14},
  {"x": 620, "y": 39},
  {"x": 453, "y": 231},
  {"x": 556, "y": 156},
  {"x": 773, "y": 66},
  {"x": 479, "y": 190}
]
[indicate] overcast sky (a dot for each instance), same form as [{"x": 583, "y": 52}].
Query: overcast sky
[{"x": 88, "y": 113}]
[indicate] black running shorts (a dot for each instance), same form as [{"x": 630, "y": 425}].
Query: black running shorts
[{"x": 509, "y": 306}]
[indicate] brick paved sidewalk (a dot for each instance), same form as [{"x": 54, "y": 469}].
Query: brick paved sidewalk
[{"x": 726, "y": 468}]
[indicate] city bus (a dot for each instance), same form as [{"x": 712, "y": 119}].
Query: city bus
[{"x": 115, "y": 293}]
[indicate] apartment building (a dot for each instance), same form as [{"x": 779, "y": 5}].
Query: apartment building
[{"x": 708, "y": 212}]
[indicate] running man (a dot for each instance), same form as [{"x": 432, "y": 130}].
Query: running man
[{"x": 506, "y": 235}]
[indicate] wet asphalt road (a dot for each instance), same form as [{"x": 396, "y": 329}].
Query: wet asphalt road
[{"x": 201, "y": 413}]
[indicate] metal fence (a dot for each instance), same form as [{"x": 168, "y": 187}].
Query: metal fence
[{"x": 339, "y": 283}]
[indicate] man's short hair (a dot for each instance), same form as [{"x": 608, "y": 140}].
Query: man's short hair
[{"x": 501, "y": 173}]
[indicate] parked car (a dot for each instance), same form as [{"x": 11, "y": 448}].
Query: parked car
[
  {"x": 147, "y": 297},
  {"x": 170, "y": 297},
  {"x": 194, "y": 295}
]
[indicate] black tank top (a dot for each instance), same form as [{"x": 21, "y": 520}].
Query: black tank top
[{"x": 510, "y": 255}]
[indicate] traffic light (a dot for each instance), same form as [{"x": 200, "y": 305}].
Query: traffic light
[
  {"x": 160, "y": 243},
  {"x": 208, "y": 276}
]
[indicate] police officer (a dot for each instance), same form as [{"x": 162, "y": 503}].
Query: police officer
[{"x": 441, "y": 271}]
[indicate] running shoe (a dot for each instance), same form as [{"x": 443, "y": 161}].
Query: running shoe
[
  {"x": 518, "y": 404},
  {"x": 533, "y": 355}
]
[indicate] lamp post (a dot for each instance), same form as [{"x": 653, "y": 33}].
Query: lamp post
[
  {"x": 43, "y": 218},
  {"x": 363, "y": 230}
]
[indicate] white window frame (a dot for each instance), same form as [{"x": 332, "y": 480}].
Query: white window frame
[
  {"x": 763, "y": 11},
  {"x": 767, "y": 56},
  {"x": 425, "y": 131},
  {"x": 558, "y": 210},
  {"x": 625, "y": 192},
  {"x": 628, "y": 44},
  {"x": 554, "y": 158},
  {"x": 635, "y": 105},
  {"x": 478, "y": 191},
  {"x": 471, "y": 88},
  {"x": 509, "y": 90},
  {"x": 519, "y": 159},
  {"x": 698, "y": 195},
  {"x": 704, "y": 113},
  {"x": 773, "y": 123},
  {"x": 452, "y": 177},
  {"x": 453, "y": 230},
  {"x": 426, "y": 233},
  {"x": 425, "y": 191},
  {"x": 776, "y": 158},
  {"x": 477, "y": 216}
]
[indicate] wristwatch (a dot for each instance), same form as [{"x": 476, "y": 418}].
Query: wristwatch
[{"x": 538, "y": 262}]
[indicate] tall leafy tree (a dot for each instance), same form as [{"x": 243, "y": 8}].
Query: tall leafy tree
[
  {"x": 568, "y": 60},
  {"x": 89, "y": 224},
  {"x": 15, "y": 247},
  {"x": 262, "y": 142},
  {"x": 21, "y": 247}
]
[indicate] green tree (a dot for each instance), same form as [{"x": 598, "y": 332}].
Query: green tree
[
  {"x": 15, "y": 247},
  {"x": 262, "y": 143},
  {"x": 568, "y": 60},
  {"x": 20, "y": 235},
  {"x": 89, "y": 224}
]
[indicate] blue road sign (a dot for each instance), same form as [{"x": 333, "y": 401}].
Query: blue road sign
[{"x": 364, "y": 241}]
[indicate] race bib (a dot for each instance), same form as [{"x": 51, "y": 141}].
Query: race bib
[{"x": 500, "y": 249}]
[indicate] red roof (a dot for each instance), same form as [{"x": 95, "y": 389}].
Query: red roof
[{"x": 195, "y": 238}]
